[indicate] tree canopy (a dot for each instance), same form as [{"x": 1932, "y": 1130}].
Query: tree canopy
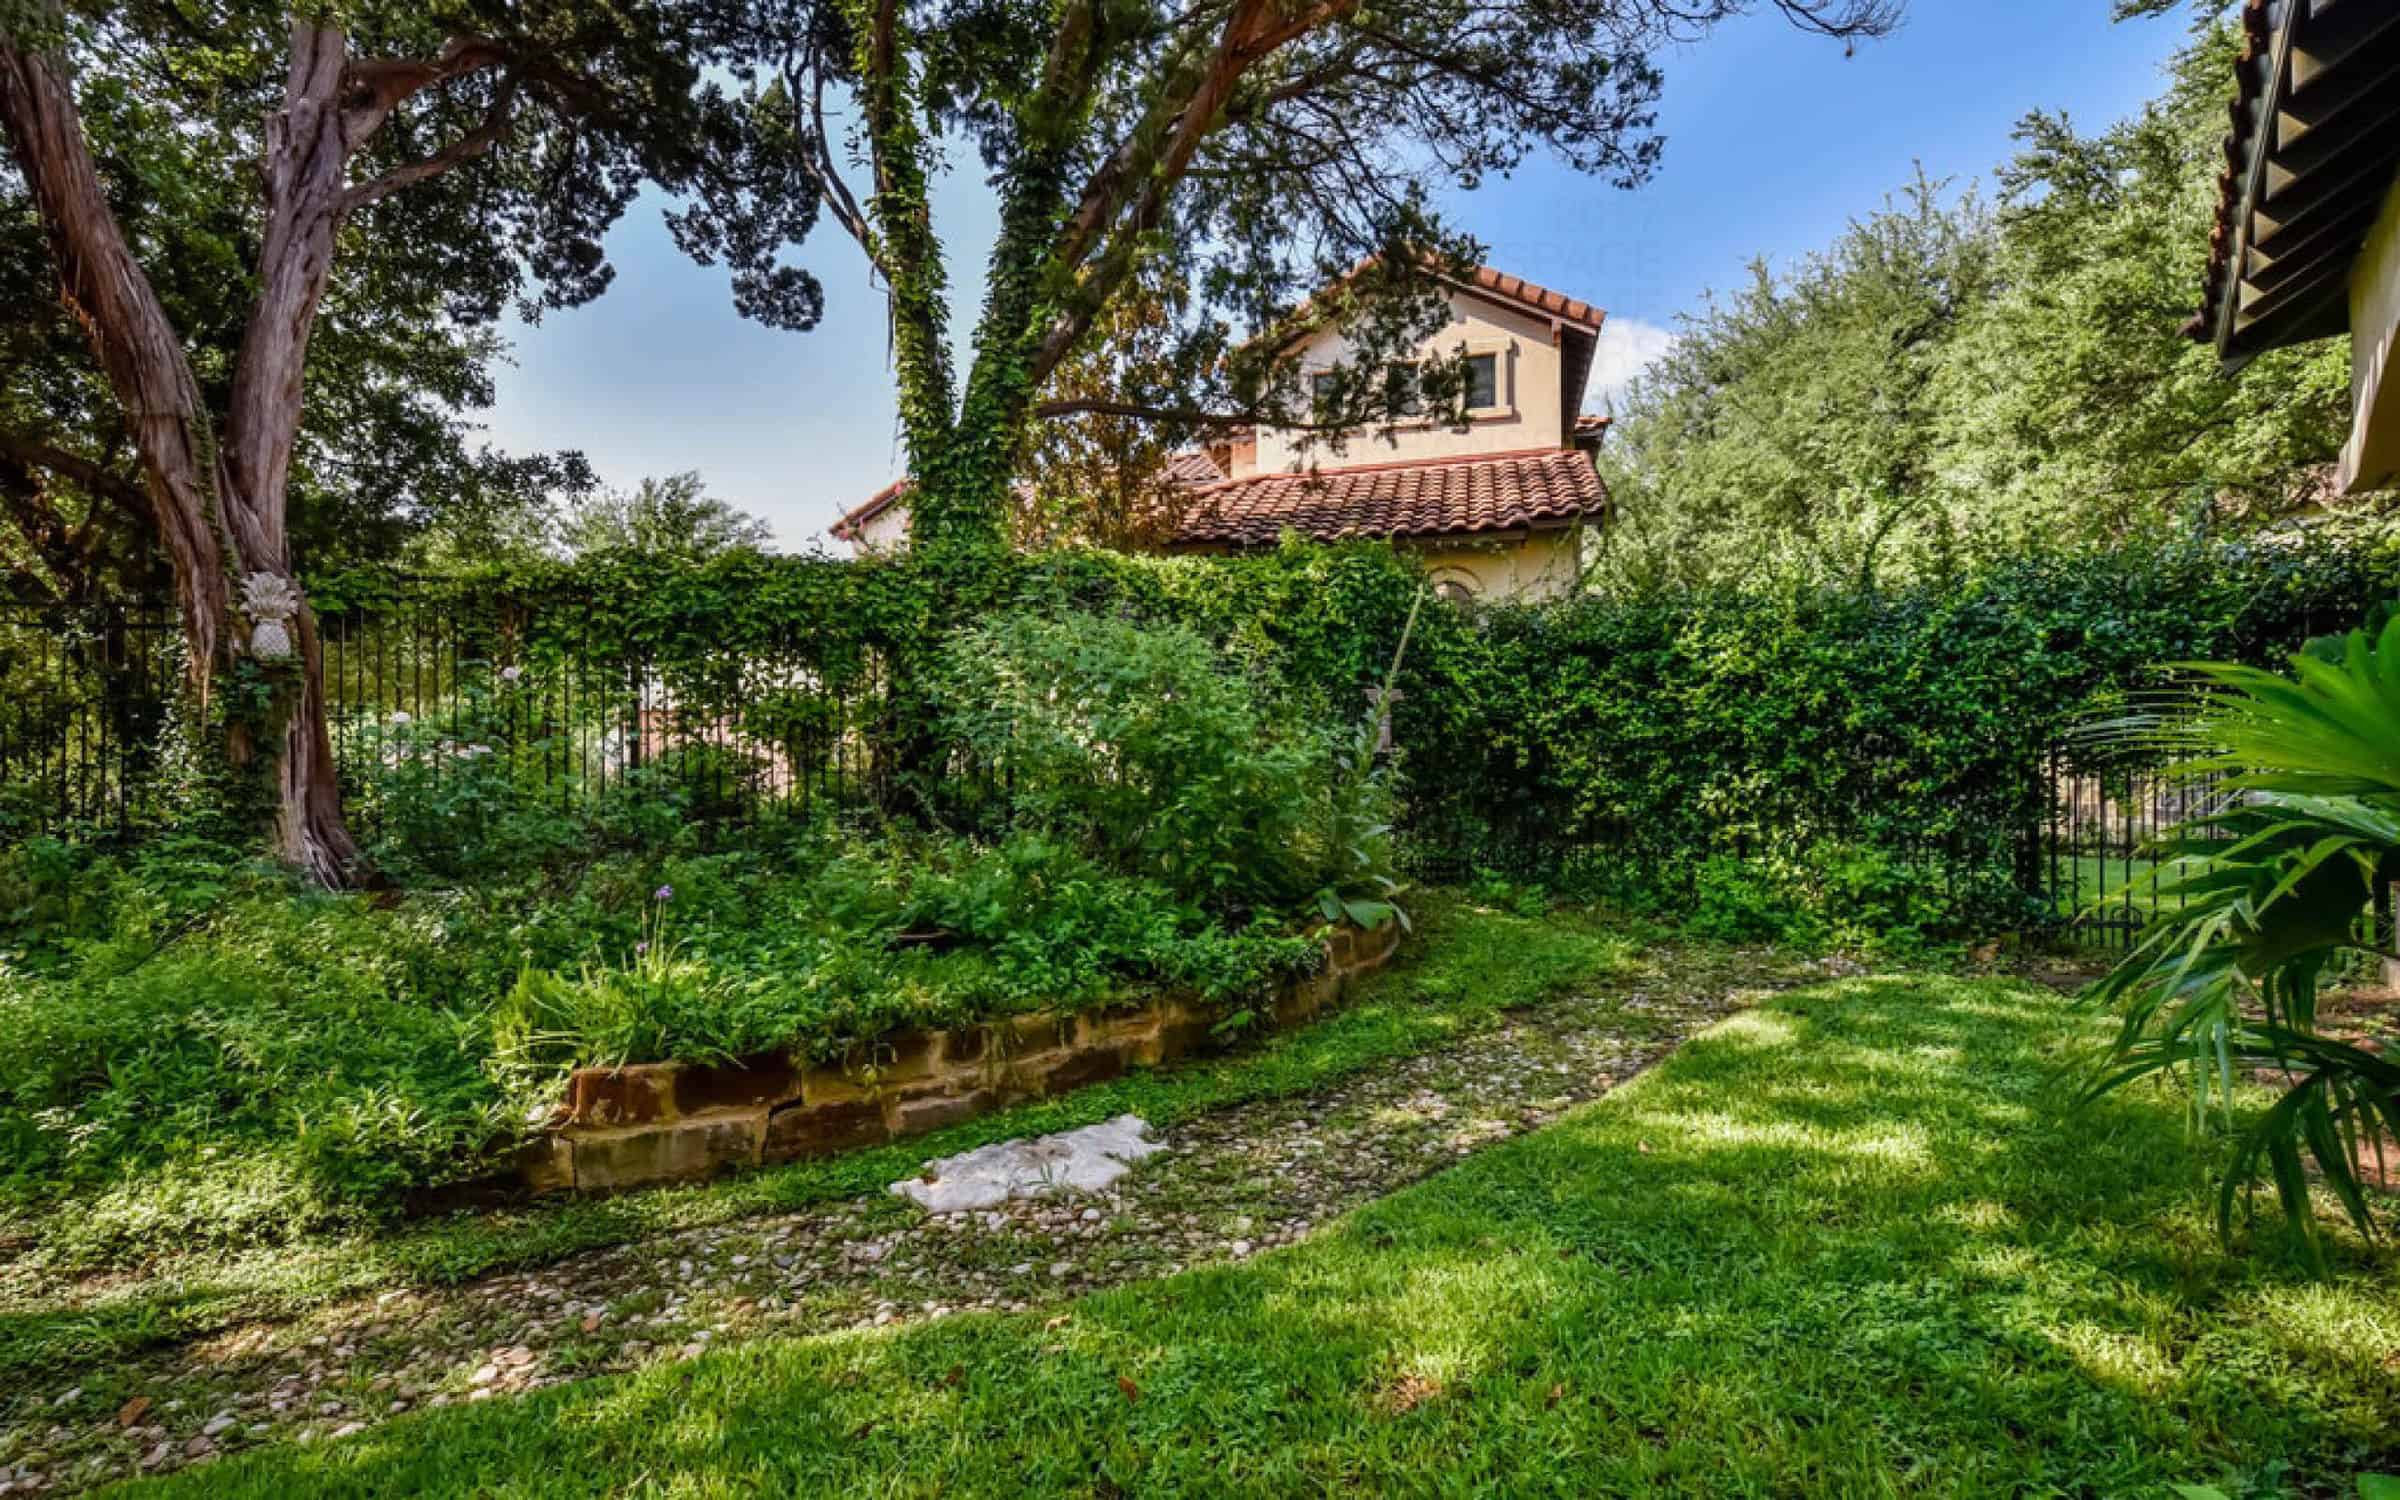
[
  {"x": 1954, "y": 378},
  {"x": 217, "y": 183},
  {"x": 1250, "y": 152},
  {"x": 674, "y": 517}
]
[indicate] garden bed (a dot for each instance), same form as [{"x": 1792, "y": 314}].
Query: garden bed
[{"x": 664, "y": 1122}]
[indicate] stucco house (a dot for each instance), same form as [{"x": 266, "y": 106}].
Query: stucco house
[
  {"x": 1498, "y": 505},
  {"x": 2307, "y": 237}
]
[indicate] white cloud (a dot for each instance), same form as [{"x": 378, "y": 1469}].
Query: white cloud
[{"x": 1627, "y": 346}]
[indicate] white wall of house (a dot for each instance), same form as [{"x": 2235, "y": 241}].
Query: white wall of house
[
  {"x": 885, "y": 532},
  {"x": 2372, "y": 457},
  {"x": 1528, "y": 413}
]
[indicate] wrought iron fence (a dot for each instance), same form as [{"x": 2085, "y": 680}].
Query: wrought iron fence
[
  {"x": 2097, "y": 844},
  {"x": 421, "y": 690},
  {"x": 84, "y": 698},
  {"x": 425, "y": 690},
  {"x": 431, "y": 691}
]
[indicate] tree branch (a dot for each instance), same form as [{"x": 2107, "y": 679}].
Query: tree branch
[
  {"x": 93, "y": 478},
  {"x": 827, "y": 174},
  {"x": 1185, "y": 416},
  {"x": 1252, "y": 33},
  {"x": 373, "y": 87},
  {"x": 466, "y": 148}
]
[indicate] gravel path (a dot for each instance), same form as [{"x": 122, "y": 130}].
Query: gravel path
[{"x": 1235, "y": 1183}]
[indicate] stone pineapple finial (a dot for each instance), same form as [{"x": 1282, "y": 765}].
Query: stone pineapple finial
[{"x": 270, "y": 600}]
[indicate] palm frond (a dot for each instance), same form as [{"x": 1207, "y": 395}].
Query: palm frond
[{"x": 2259, "y": 898}]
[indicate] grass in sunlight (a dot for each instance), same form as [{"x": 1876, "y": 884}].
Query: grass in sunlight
[{"x": 1842, "y": 1244}]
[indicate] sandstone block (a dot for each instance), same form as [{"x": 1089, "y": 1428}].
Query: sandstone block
[
  {"x": 547, "y": 1164},
  {"x": 799, "y": 1130},
  {"x": 935, "y": 1108},
  {"x": 633, "y": 1095},
  {"x": 672, "y": 1151},
  {"x": 743, "y": 1085}
]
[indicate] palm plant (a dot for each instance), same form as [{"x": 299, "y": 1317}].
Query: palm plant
[{"x": 2261, "y": 899}]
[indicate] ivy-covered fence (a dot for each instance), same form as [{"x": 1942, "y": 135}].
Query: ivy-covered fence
[
  {"x": 1894, "y": 757},
  {"x": 1897, "y": 757}
]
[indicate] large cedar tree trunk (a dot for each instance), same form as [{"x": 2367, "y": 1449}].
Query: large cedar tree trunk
[{"x": 217, "y": 490}]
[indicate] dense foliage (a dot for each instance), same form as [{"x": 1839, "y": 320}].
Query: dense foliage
[
  {"x": 1955, "y": 378},
  {"x": 191, "y": 1046},
  {"x": 1876, "y": 758},
  {"x": 2267, "y": 897},
  {"x": 1868, "y": 752},
  {"x": 1134, "y": 772}
]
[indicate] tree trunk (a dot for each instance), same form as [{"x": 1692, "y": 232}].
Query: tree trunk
[
  {"x": 310, "y": 833},
  {"x": 219, "y": 501}
]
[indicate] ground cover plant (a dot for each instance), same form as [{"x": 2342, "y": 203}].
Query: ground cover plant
[
  {"x": 196, "y": 1050},
  {"x": 1844, "y": 1243}
]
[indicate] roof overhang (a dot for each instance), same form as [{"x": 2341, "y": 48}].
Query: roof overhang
[
  {"x": 847, "y": 528},
  {"x": 2308, "y": 167}
]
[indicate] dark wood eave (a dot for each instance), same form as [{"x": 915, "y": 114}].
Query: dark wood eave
[{"x": 2309, "y": 164}]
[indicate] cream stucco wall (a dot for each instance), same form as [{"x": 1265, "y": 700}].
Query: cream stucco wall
[
  {"x": 1537, "y": 565},
  {"x": 1529, "y": 415},
  {"x": 884, "y": 532},
  {"x": 2372, "y": 457}
]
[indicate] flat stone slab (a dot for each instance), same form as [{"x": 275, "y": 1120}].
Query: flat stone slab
[{"x": 1081, "y": 1161}]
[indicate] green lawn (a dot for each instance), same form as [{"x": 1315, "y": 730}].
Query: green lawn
[{"x": 1839, "y": 1245}]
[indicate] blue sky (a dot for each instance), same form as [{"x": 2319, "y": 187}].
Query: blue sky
[{"x": 1774, "y": 140}]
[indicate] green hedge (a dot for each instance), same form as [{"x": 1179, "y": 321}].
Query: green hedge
[{"x": 1621, "y": 744}]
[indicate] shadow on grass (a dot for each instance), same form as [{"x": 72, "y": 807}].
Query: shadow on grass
[{"x": 1836, "y": 1246}]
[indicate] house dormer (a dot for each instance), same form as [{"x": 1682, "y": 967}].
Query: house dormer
[{"x": 1529, "y": 355}]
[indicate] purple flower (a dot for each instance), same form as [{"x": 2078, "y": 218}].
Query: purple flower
[
  {"x": 663, "y": 894},
  {"x": 641, "y": 948}
]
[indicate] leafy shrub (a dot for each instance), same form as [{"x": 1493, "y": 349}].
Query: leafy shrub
[
  {"x": 2263, "y": 898},
  {"x": 276, "y": 1063},
  {"x": 461, "y": 796},
  {"x": 1738, "y": 901},
  {"x": 1146, "y": 747},
  {"x": 206, "y": 1051}
]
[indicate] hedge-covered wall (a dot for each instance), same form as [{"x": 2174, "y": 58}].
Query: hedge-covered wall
[{"x": 1624, "y": 744}]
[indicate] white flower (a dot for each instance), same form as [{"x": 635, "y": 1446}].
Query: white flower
[
  {"x": 401, "y": 720},
  {"x": 511, "y": 674}
]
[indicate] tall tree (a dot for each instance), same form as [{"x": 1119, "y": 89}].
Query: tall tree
[
  {"x": 1256, "y": 149},
  {"x": 1952, "y": 379},
  {"x": 675, "y": 517},
  {"x": 1789, "y": 429},
  {"x": 482, "y": 146}
]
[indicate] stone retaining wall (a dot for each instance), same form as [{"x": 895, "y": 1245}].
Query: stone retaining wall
[{"x": 665, "y": 1122}]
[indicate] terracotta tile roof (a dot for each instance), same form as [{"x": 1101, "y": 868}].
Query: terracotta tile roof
[
  {"x": 846, "y": 529},
  {"x": 1192, "y": 466},
  {"x": 1592, "y": 425},
  {"x": 2313, "y": 150},
  {"x": 2250, "y": 74},
  {"x": 1496, "y": 284},
  {"x": 1540, "y": 298},
  {"x": 1442, "y": 497}
]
